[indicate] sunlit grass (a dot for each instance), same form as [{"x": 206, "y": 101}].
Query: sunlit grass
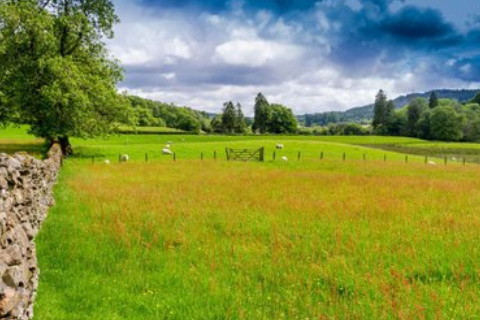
[
  {"x": 16, "y": 139},
  {"x": 305, "y": 240}
]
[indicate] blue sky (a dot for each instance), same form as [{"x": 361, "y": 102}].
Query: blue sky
[{"x": 312, "y": 56}]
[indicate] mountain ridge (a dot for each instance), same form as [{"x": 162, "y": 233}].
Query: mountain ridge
[{"x": 365, "y": 113}]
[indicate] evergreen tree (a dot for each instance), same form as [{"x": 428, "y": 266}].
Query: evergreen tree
[
  {"x": 240, "y": 124},
  {"x": 262, "y": 114},
  {"x": 379, "y": 110},
  {"x": 414, "y": 112},
  {"x": 229, "y": 117},
  {"x": 433, "y": 101}
]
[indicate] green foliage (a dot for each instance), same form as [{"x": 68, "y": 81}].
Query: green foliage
[
  {"x": 153, "y": 113},
  {"x": 230, "y": 121},
  {"x": 281, "y": 119},
  {"x": 240, "y": 122},
  {"x": 433, "y": 100},
  {"x": 229, "y": 117},
  {"x": 55, "y": 73},
  {"x": 262, "y": 114},
  {"x": 380, "y": 110},
  {"x": 414, "y": 111},
  {"x": 273, "y": 118},
  {"x": 446, "y": 124}
]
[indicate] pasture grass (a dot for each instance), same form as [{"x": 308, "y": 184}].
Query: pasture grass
[
  {"x": 16, "y": 139},
  {"x": 303, "y": 239},
  {"x": 148, "y": 130},
  {"x": 278, "y": 240}
]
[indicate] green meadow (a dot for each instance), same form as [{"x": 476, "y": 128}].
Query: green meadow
[{"x": 306, "y": 238}]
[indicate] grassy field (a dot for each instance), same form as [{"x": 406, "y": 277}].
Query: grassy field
[
  {"x": 220, "y": 240},
  {"x": 303, "y": 239},
  {"x": 149, "y": 130},
  {"x": 16, "y": 139},
  {"x": 308, "y": 239}
]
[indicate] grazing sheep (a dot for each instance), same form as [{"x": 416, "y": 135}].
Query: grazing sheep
[
  {"x": 454, "y": 159},
  {"x": 431, "y": 163},
  {"x": 166, "y": 151},
  {"x": 279, "y": 146},
  {"x": 124, "y": 158},
  {"x": 284, "y": 158},
  {"x": 106, "y": 161},
  {"x": 167, "y": 146}
]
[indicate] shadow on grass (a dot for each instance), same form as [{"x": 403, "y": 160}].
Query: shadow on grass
[
  {"x": 36, "y": 148},
  {"x": 456, "y": 154}
]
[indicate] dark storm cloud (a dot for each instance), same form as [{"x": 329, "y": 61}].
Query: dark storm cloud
[
  {"x": 413, "y": 23},
  {"x": 222, "y": 5}
]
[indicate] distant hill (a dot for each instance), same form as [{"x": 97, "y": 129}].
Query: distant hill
[{"x": 365, "y": 113}]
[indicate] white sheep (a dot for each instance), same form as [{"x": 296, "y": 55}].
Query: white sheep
[
  {"x": 279, "y": 146},
  {"x": 454, "y": 159},
  {"x": 106, "y": 161},
  {"x": 431, "y": 163},
  {"x": 166, "y": 151},
  {"x": 167, "y": 146},
  {"x": 284, "y": 159},
  {"x": 124, "y": 158}
]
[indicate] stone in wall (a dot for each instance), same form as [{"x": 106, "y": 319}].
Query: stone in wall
[{"x": 26, "y": 186}]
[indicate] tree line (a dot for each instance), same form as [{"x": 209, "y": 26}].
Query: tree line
[
  {"x": 268, "y": 118},
  {"x": 431, "y": 119}
]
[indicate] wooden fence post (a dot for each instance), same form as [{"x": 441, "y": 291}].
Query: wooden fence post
[
  {"x": 364, "y": 157},
  {"x": 464, "y": 161},
  {"x": 406, "y": 159},
  {"x": 201, "y": 155},
  {"x": 215, "y": 155},
  {"x": 344, "y": 156},
  {"x": 445, "y": 161},
  {"x": 146, "y": 157},
  {"x": 119, "y": 158},
  {"x": 299, "y": 155},
  {"x": 274, "y": 155},
  {"x": 227, "y": 153},
  {"x": 384, "y": 157},
  {"x": 321, "y": 155},
  {"x": 174, "y": 157},
  {"x": 426, "y": 159}
]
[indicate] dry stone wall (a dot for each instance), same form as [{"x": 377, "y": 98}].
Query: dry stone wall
[{"x": 26, "y": 195}]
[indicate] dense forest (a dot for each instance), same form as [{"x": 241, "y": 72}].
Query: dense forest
[
  {"x": 269, "y": 118},
  {"x": 431, "y": 119},
  {"x": 364, "y": 115}
]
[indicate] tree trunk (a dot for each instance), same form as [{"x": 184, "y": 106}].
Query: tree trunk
[{"x": 65, "y": 145}]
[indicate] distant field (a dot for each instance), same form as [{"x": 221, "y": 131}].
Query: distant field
[
  {"x": 149, "y": 130},
  {"x": 297, "y": 240},
  {"x": 309, "y": 238},
  {"x": 16, "y": 139}
]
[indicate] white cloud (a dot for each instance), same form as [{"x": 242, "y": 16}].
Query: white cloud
[
  {"x": 256, "y": 53},
  {"x": 202, "y": 60}
]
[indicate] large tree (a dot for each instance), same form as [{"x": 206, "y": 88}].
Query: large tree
[
  {"x": 380, "y": 110},
  {"x": 446, "y": 124},
  {"x": 281, "y": 120},
  {"x": 229, "y": 117},
  {"x": 55, "y": 73},
  {"x": 240, "y": 123},
  {"x": 433, "y": 100},
  {"x": 262, "y": 114},
  {"x": 414, "y": 111}
]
